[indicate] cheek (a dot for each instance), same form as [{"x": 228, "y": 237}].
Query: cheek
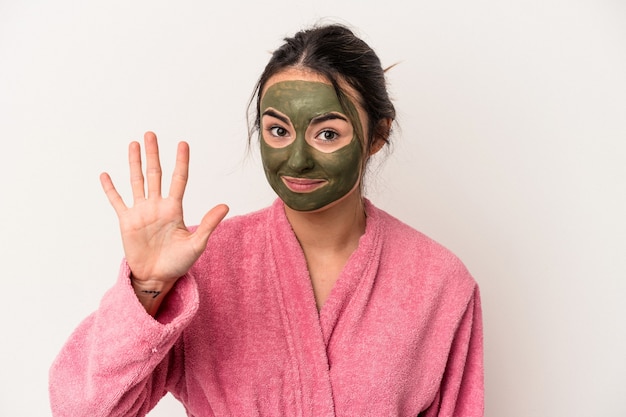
[
  {"x": 272, "y": 158},
  {"x": 344, "y": 164}
]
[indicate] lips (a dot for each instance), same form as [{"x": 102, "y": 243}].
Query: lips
[{"x": 303, "y": 185}]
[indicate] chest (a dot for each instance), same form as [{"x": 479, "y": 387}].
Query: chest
[
  {"x": 260, "y": 344},
  {"x": 324, "y": 271}
]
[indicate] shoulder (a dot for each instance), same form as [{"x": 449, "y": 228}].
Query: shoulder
[
  {"x": 405, "y": 248},
  {"x": 401, "y": 237}
]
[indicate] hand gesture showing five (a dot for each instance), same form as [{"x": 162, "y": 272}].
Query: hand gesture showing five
[{"x": 158, "y": 246}]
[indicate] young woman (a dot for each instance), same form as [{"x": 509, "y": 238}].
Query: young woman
[{"x": 320, "y": 305}]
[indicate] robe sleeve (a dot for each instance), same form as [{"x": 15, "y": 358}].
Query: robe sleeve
[
  {"x": 461, "y": 393},
  {"x": 120, "y": 359}
]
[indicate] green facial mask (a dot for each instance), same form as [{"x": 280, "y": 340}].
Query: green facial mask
[{"x": 302, "y": 101}]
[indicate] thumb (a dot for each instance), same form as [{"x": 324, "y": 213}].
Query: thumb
[{"x": 209, "y": 222}]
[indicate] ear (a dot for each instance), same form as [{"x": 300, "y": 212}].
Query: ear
[
  {"x": 377, "y": 145},
  {"x": 381, "y": 134}
]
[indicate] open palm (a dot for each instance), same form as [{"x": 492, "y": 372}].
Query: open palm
[{"x": 158, "y": 246}]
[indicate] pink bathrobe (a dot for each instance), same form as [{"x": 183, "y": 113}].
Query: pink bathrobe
[{"x": 240, "y": 334}]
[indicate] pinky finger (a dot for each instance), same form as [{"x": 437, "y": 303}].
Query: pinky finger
[{"x": 114, "y": 197}]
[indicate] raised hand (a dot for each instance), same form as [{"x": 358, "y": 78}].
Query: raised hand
[{"x": 158, "y": 246}]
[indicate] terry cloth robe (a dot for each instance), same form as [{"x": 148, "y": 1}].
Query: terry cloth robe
[{"x": 240, "y": 334}]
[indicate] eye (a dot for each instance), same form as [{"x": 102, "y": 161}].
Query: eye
[
  {"x": 278, "y": 131},
  {"x": 328, "y": 135}
]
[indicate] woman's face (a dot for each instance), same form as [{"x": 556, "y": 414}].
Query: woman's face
[{"x": 312, "y": 154}]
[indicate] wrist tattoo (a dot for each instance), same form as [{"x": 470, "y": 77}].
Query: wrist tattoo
[{"x": 154, "y": 293}]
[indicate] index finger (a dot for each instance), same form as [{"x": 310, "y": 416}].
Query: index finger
[{"x": 181, "y": 172}]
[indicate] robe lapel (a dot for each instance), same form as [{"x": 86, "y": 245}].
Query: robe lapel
[
  {"x": 299, "y": 316},
  {"x": 309, "y": 334},
  {"x": 349, "y": 297}
]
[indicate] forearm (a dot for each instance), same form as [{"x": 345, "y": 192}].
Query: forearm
[
  {"x": 114, "y": 361},
  {"x": 150, "y": 293},
  {"x": 462, "y": 390}
]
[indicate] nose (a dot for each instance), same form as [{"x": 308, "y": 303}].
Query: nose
[{"x": 300, "y": 159}]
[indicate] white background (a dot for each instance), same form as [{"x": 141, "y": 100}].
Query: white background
[{"x": 510, "y": 152}]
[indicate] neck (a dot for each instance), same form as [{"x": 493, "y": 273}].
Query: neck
[{"x": 334, "y": 228}]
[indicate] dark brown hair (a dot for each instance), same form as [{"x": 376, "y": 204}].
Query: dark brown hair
[{"x": 335, "y": 52}]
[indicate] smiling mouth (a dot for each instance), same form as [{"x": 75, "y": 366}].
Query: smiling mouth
[{"x": 303, "y": 185}]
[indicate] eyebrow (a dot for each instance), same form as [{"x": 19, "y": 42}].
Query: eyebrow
[
  {"x": 329, "y": 116},
  {"x": 270, "y": 112},
  {"x": 318, "y": 119}
]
